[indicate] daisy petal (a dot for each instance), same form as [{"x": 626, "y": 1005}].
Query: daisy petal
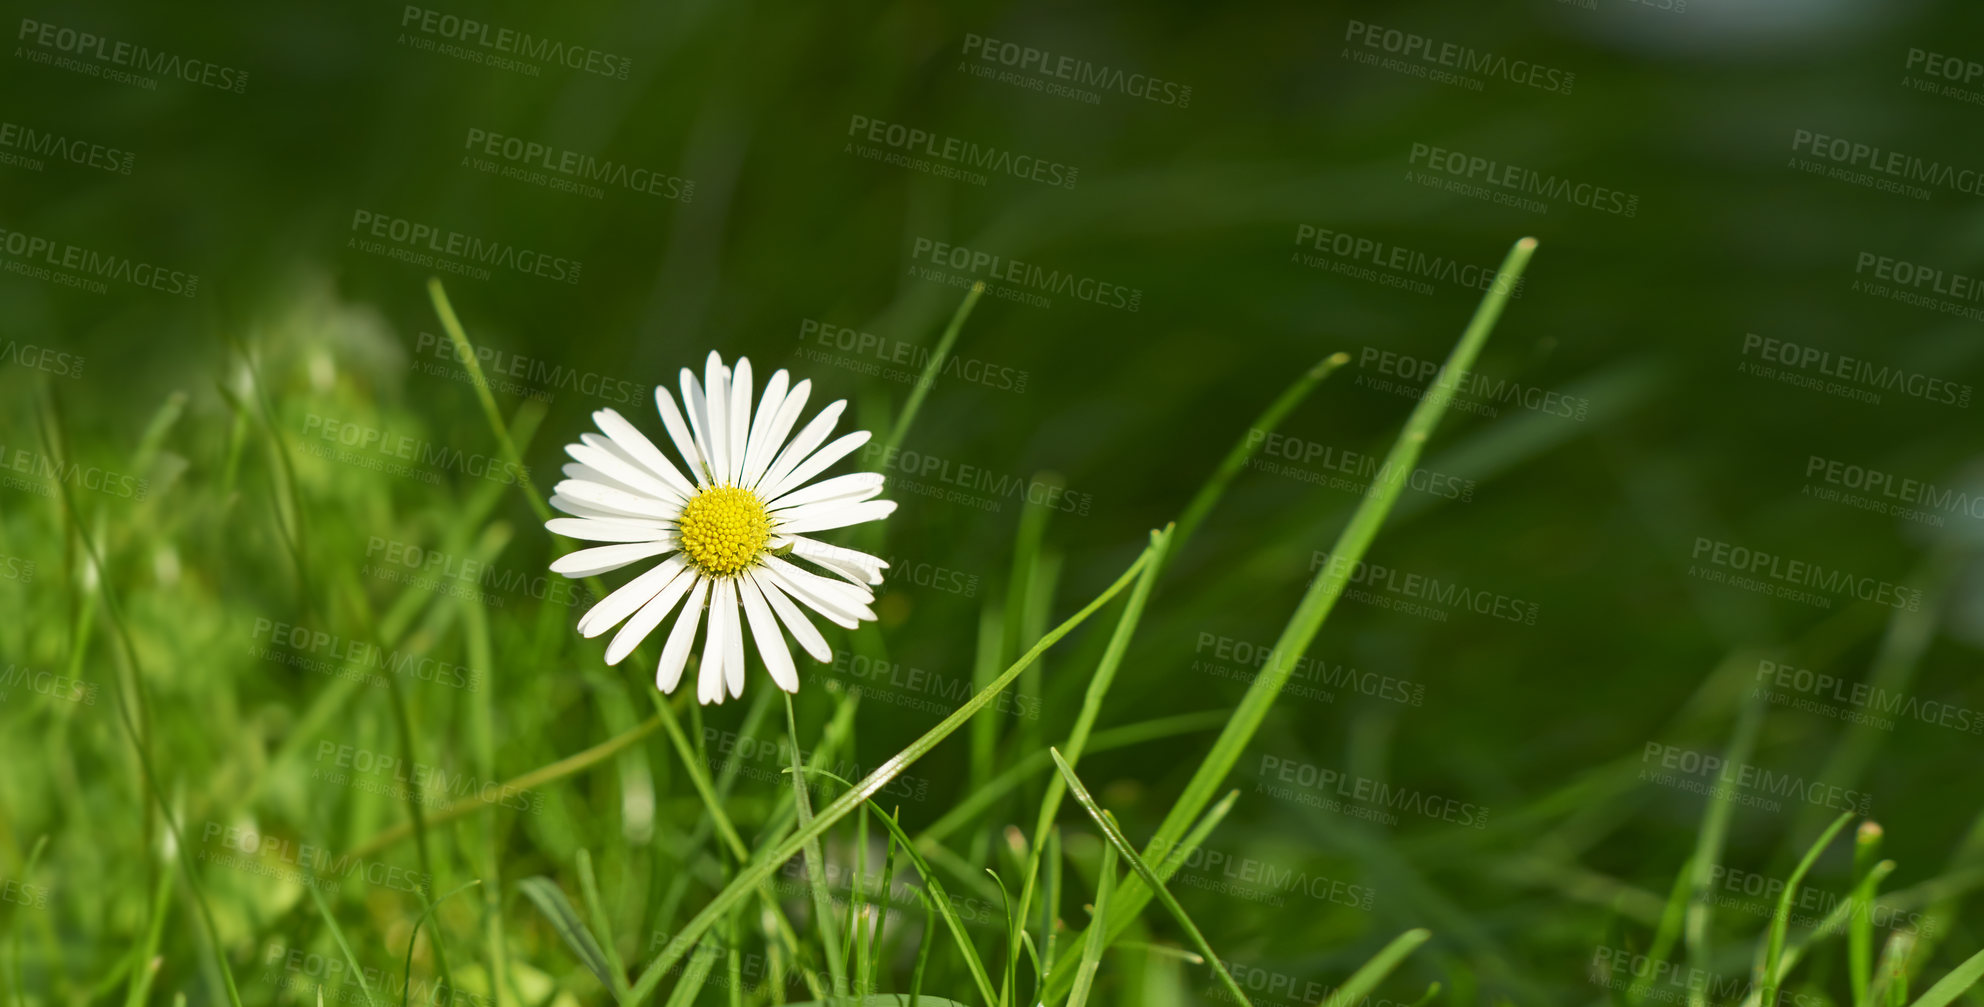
[
  {"x": 811, "y": 436},
  {"x": 775, "y": 435},
  {"x": 654, "y": 484},
  {"x": 595, "y": 529},
  {"x": 733, "y": 643},
  {"x": 818, "y": 463},
  {"x": 672, "y": 475},
  {"x": 678, "y": 431},
  {"x": 602, "y": 495},
  {"x": 739, "y": 428},
  {"x": 723, "y": 611},
  {"x": 674, "y": 654},
  {"x": 841, "y": 603},
  {"x": 856, "y": 566},
  {"x": 607, "y": 558},
  {"x": 716, "y": 416},
  {"x": 823, "y": 516},
  {"x": 650, "y": 616},
  {"x": 694, "y": 404},
  {"x": 764, "y": 633},
  {"x": 796, "y": 623},
  {"x": 756, "y": 454},
  {"x": 854, "y": 487},
  {"x": 630, "y": 596},
  {"x": 629, "y": 439}
]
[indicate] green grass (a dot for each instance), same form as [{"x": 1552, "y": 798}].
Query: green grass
[{"x": 212, "y": 829}]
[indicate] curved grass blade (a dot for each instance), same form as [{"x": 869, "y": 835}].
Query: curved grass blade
[
  {"x": 1954, "y": 985},
  {"x": 1266, "y": 423},
  {"x": 761, "y": 867},
  {"x": 1122, "y": 844},
  {"x": 337, "y": 934},
  {"x": 551, "y": 901},
  {"x": 1860, "y": 930},
  {"x": 406, "y": 988},
  {"x": 1323, "y": 592},
  {"x": 1781, "y": 918},
  {"x": 1092, "y": 944},
  {"x": 1365, "y": 979},
  {"x": 940, "y": 899},
  {"x": 823, "y": 913}
]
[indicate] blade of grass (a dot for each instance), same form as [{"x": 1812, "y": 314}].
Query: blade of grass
[
  {"x": 1773, "y": 968},
  {"x": 933, "y": 889},
  {"x": 1365, "y": 979},
  {"x": 406, "y": 988},
  {"x": 1860, "y": 929},
  {"x": 589, "y": 890},
  {"x": 1114, "y": 834},
  {"x": 1249, "y": 444},
  {"x": 762, "y": 867},
  {"x": 550, "y": 900},
  {"x": 816, "y": 878},
  {"x": 1954, "y": 985},
  {"x": 466, "y": 352},
  {"x": 931, "y": 369},
  {"x": 1321, "y": 597},
  {"x": 1092, "y": 944},
  {"x": 337, "y": 934}
]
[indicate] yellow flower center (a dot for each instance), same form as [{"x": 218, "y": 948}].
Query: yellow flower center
[{"x": 723, "y": 529}]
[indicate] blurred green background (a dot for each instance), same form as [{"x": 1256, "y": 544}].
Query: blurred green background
[{"x": 1258, "y": 176}]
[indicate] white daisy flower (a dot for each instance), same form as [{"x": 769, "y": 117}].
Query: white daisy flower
[{"x": 727, "y": 534}]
